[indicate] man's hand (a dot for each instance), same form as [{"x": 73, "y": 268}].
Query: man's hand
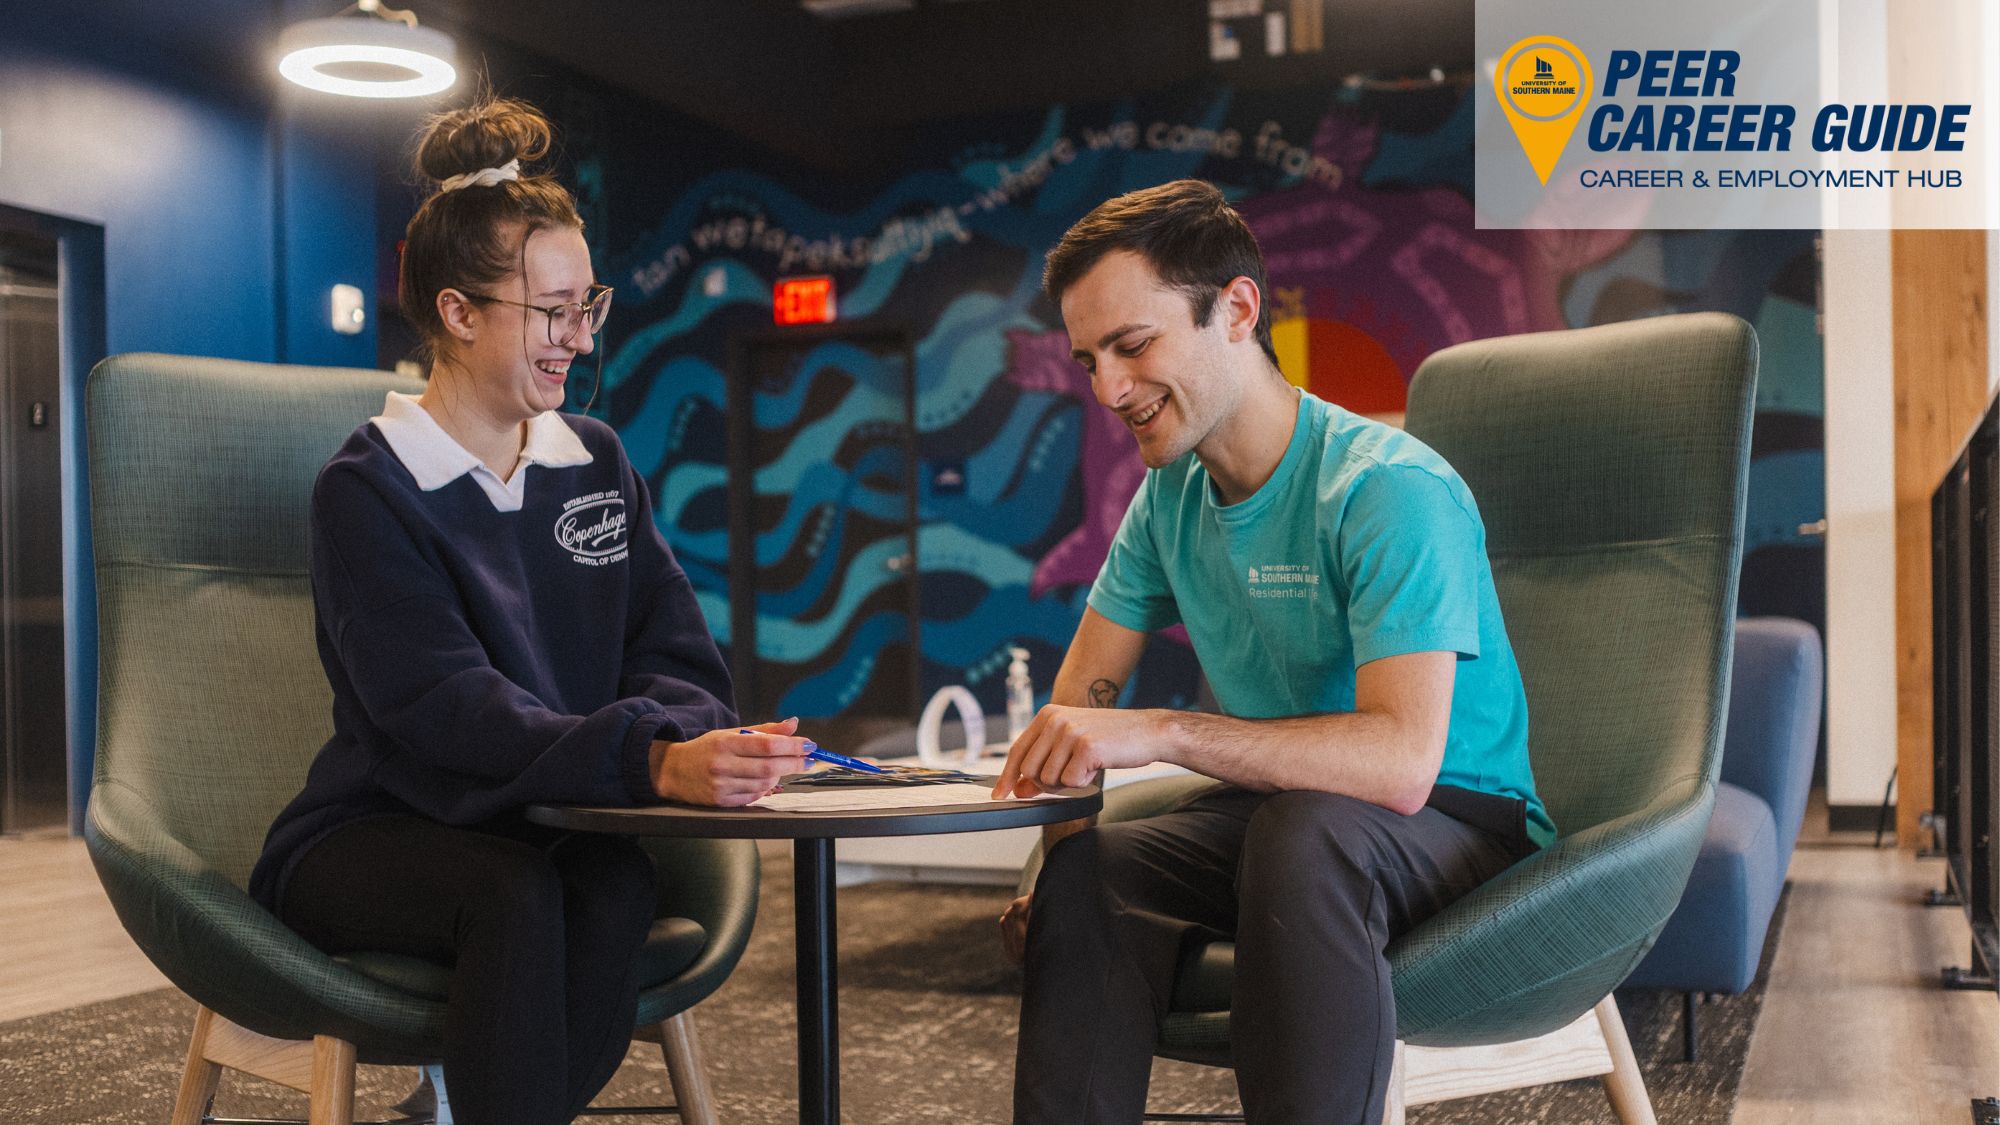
[
  {"x": 1014, "y": 929},
  {"x": 1068, "y": 746},
  {"x": 727, "y": 767}
]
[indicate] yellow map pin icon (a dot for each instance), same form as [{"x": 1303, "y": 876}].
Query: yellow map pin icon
[{"x": 1543, "y": 83}]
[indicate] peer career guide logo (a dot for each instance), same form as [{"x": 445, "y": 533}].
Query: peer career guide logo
[
  {"x": 1716, "y": 115},
  {"x": 592, "y": 529}
]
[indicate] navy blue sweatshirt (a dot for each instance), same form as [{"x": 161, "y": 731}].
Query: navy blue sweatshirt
[{"x": 481, "y": 660}]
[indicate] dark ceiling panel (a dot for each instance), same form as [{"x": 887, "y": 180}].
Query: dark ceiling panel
[
  {"x": 833, "y": 93},
  {"x": 737, "y": 64},
  {"x": 826, "y": 91}
]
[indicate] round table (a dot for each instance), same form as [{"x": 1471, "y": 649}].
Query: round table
[{"x": 813, "y": 834}]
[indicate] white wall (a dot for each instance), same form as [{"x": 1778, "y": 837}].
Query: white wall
[
  {"x": 1860, "y": 441},
  {"x": 1860, "y": 518}
]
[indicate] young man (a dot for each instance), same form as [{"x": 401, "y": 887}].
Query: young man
[{"x": 1371, "y": 755}]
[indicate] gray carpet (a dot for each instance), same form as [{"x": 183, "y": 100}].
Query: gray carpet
[{"x": 927, "y": 1010}]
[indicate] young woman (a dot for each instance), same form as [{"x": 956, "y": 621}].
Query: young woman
[{"x": 502, "y": 625}]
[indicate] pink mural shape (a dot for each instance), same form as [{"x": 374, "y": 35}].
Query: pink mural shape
[
  {"x": 1040, "y": 361},
  {"x": 1432, "y": 278}
]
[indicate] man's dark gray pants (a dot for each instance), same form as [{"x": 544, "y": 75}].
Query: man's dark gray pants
[{"x": 1311, "y": 886}]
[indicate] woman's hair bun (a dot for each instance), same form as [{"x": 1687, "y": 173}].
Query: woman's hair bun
[{"x": 481, "y": 136}]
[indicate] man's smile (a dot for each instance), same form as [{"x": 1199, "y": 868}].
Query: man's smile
[{"x": 1138, "y": 419}]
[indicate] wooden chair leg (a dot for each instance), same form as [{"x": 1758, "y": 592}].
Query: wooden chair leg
[
  {"x": 681, "y": 1047},
  {"x": 323, "y": 1069},
  {"x": 1625, "y": 1086},
  {"x": 199, "y": 1078},
  {"x": 332, "y": 1082},
  {"x": 1392, "y": 1108}
]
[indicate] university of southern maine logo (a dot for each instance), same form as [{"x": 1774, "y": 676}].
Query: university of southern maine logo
[
  {"x": 592, "y": 528},
  {"x": 1284, "y": 580},
  {"x": 1543, "y": 100}
]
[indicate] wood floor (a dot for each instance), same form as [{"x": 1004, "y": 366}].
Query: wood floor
[
  {"x": 60, "y": 943},
  {"x": 1853, "y": 1030}
]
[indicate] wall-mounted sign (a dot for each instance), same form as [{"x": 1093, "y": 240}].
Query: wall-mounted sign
[
  {"x": 1283, "y": 26},
  {"x": 802, "y": 300}
]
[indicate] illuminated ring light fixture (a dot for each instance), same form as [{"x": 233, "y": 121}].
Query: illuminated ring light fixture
[{"x": 367, "y": 56}]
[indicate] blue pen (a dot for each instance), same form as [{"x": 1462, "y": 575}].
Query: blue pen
[{"x": 814, "y": 753}]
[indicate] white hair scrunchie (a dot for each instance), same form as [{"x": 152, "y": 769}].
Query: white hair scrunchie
[{"x": 485, "y": 177}]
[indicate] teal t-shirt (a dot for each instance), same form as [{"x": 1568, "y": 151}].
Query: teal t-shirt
[{"x": 1363, "y": 544}]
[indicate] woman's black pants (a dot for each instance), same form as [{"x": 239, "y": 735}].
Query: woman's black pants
[{"x": 540, "y": 928}]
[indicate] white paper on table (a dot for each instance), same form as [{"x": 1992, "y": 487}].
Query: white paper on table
[{"x": 896, "y": 797}]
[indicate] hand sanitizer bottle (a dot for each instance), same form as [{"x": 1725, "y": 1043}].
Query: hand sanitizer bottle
[{"x": 1020, "y": 694}]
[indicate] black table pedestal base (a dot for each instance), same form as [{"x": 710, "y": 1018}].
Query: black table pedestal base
[
  {"x": 819, "y": 1000},
  {"x": 813, "y": 834}
]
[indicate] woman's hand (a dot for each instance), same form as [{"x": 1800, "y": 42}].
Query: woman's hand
[{"x": 726, "y": 766}]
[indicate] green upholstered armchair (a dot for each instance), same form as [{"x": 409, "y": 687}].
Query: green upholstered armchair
[
  {"x": 212, "y": 705},
  {"x": 1609, "y": 466}
]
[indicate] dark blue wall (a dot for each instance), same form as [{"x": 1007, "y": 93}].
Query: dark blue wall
[
  {"x": 179, "y": 177},
  {"x": 161, "y": 155}
]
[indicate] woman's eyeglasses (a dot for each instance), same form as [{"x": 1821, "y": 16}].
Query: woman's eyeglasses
[{"x": 565, "y": 321}]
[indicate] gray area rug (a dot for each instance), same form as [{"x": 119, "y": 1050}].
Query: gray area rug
[{"x": 927, "y": 1007}]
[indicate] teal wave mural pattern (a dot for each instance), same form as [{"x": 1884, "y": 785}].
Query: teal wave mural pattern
[{"x": 1361, "y": 204}]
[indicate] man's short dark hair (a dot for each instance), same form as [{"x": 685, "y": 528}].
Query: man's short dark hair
[{"x": 1186, "y": 230}]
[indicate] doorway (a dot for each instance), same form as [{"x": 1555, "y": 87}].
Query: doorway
[
  {"x": 33, "y": 743},
  {"x": 823, "y": 546}
]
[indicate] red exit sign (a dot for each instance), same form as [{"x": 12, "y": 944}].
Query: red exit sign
[{"x": 802, "y": 300}]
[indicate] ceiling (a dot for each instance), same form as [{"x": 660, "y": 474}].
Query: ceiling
[{"x": 824, "y": 90}]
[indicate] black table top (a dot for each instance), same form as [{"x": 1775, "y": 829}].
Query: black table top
[{"x": 748, "y": 823}]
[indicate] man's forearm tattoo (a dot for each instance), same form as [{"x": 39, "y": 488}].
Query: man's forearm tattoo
[{"x": 1104, "y": 693}]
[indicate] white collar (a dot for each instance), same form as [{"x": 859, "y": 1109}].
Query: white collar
[{"x": 435, "y": 459}]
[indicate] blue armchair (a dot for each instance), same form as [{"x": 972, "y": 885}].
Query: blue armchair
[{"x": 1713, "y": 941}]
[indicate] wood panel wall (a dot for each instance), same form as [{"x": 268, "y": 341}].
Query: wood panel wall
[{"x": 1940, "y": 292}]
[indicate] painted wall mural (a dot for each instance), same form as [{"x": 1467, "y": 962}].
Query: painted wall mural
[{"x": 1362, "y": 203}]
